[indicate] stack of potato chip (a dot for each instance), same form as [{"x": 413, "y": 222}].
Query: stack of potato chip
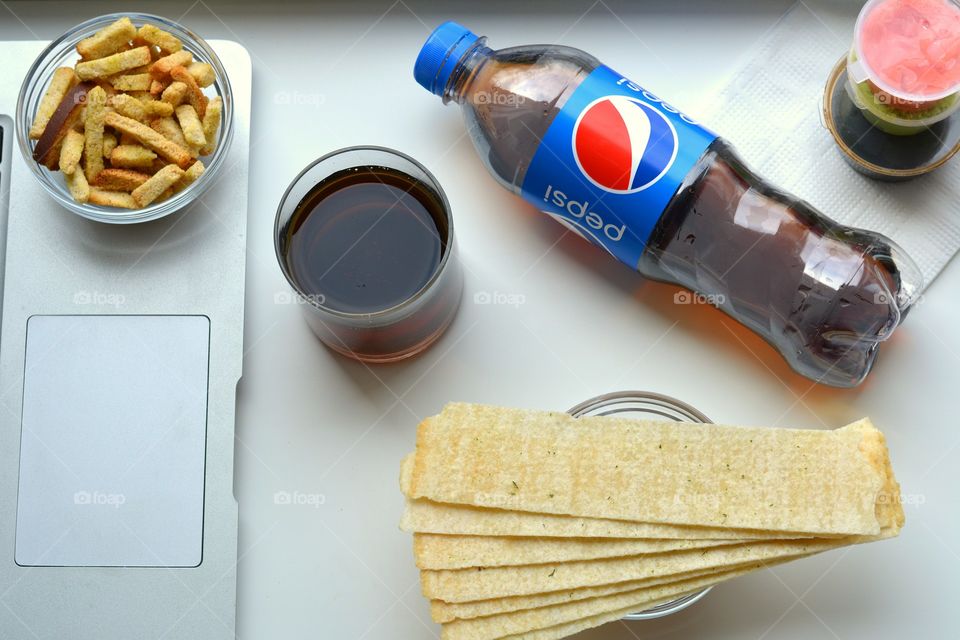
[{"x": 540, "y": 525}]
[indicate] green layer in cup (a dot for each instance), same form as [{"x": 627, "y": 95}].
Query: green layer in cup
[{"x": 884, "y": 116}]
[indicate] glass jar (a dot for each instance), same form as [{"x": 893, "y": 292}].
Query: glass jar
[{"x": 643, "y": 404}]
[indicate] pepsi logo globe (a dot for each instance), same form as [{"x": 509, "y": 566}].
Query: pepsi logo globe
[{"x": 622, "y": 144}]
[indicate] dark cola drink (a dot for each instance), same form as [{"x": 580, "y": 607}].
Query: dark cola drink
[
  {"x": 368, "y": 248},
  {"x": 364, "y": 241},
  {"x": 669, "y": 198}
]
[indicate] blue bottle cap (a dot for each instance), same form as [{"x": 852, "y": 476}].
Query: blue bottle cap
[{"x": 440, "y": 54}]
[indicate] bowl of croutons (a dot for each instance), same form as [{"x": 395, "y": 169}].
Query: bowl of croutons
[{"x": 126, "y": 118}]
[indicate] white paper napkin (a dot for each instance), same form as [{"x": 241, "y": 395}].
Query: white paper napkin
[{"x": 770, "y": 111}]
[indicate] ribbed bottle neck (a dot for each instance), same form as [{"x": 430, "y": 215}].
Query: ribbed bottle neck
[{"x": 459, "y": 82}]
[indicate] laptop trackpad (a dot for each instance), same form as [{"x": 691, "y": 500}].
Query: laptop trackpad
[{"x": 113, "y": 440}]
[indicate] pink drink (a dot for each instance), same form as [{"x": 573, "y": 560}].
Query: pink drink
[{"x": 912, "y": 47}]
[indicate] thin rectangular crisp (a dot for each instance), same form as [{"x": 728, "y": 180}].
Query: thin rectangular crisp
[
  {"x": 523, "y": 621},
  {"x": 505, "y": 582},
  {"x": 462, "y": 585},
  {"x": 667, "y": 472},
  {"x": 150, "y": 139},
  {"x": 570, "y": 628},
  {"x": 442, "y": 612},
  {"x": 113, "y": 64},
  {"x": 425, "y": 516},
  {"x": 431, "y": 517},
  {"x": 433, "y": 551}
]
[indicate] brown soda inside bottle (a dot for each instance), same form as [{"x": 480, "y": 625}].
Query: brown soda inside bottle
[{"x": 824, "y": 295}]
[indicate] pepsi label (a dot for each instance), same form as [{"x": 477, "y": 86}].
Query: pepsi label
[{"x": 611, "y": 161}]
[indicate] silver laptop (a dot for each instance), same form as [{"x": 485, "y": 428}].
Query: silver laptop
[{"x": 120, "y": 352}]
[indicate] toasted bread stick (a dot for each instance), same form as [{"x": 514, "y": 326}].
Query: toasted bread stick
[
  {"x": 63, "y": 80},
  {"x": 151, "y": 139}
]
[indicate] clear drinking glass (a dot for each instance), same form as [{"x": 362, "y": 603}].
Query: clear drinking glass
[
  {"x": 393, "y": 333},
  {"x": 643, "y": 404}
]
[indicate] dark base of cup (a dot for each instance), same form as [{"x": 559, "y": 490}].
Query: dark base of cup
[
  {"x": 455, "y": 282},
  {"x": 878, "y": 154},
  {"x": 380, "y": 358}
]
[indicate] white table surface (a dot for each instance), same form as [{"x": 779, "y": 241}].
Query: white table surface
[{"x": 331, "y": 432}]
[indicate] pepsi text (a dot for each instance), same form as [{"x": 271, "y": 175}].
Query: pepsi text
[
  {"x": 611, "y": 161},
  {"x": 580, "y": 211}
]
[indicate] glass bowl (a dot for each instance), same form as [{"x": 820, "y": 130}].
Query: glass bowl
[
  {"x": 62, "y": 52},
  {"x": 643, "y": 404}
]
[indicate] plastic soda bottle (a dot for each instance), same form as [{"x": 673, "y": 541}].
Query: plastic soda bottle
[{"x": 672, "y": 200}]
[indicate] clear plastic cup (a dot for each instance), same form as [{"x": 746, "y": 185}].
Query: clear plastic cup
[
  {"x": 875, "y": 152},
  {"x": 388, "y": 334},
  {"x": 903, "y": 69},
  {"x": 644, "y": 404}
]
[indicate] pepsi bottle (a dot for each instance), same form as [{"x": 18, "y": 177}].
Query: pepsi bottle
[{"x": 672, "y": 200}]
